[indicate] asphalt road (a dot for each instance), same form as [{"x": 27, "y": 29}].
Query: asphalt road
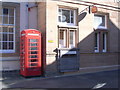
[{"x": 105, "y": 79}]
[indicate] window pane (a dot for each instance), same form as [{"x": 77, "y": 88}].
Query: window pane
[
  {"x": 71, "y": 19},
  {"x": 97, "y": 42},
  {"x": 4, "y": 37},
  {"x": 0, "y": 29},
  {"x": 104, "y": 42},
  {"x": 71, "y": 13},
  {"x": 0, "y": 45},
  {"x": 95, "y": 39},
  {"x": 11, "y": 12},
  {"x": 66, "y": 16},
  {"x": 99, "y": 21},
  {"x": 11, "y": 20},
  {"x": 5, "y": 11},
  {"x": 10, "y": 37},
  {"x": 5, "y": 19},
  {"x": 60, "y": 12},
  {"x": 4, "y": 45},
  {"x": 5, "y": 29},
  {"x": 11, "y": 30},
  {"x": 10, "y": 45},
  {"x": 72, "y": 39},
  {"x": 59, "y": 19},
  {"x": 62, "y": 39},
  {"x": 0, "y": 19},
  {"x": 0, "y": 36}
]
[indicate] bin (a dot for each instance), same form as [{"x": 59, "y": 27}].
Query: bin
[{"x": 68, "y": 60}]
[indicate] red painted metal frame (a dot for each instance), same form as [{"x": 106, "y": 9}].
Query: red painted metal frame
[{"x": 27, "y": 66}]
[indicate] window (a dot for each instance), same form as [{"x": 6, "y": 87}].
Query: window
[
  {"x": 100, "y": 21},
  {"x": 97, "y": 42},
  {"x": 101, "y": 32},
  {"x": 101, "y": 41},
  {"x": 72, "y": 38},
  {"x": 66, "y": 16},
  {"x": 67, "y": 38},
  {"x": 62, "y": 39},
  {"x": 7, "y": 30},
  {"x": 104, "y": 49}
]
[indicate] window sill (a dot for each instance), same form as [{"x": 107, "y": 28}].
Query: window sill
[
  {"x": 100, "y": 28},
  {"x": 67, "y": 26},
  {"x": 7, "y": 51}
]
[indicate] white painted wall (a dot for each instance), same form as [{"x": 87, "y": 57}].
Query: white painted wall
[
  {"x": 33, "y": 16},
  {"x": 23, "y": 16},
  {"x": 28, "y": 19}
]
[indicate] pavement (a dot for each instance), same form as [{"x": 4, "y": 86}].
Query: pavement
[{"x": 103, "y": 79}]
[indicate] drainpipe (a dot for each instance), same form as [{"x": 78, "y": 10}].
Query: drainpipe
[{"x": 27, "y": 16}]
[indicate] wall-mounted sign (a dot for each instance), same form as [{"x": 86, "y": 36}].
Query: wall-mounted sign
[
  {"x": 94, "y": 9},
  {"x": 50, "y": 41}
]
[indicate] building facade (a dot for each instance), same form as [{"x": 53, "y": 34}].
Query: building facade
[{"x": 65, "y": 25}]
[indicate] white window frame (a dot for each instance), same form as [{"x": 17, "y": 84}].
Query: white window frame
[
  {"x": 65, "y": 23},
  {"x": 101, "y": 27},
  {"x": 7, "y": 25}
]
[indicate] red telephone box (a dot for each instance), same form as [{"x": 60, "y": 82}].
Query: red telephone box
[{"x": 30, "y": 53}]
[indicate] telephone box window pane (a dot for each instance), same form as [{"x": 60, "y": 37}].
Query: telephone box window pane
[
  {"x": 4, "y": 37},
  {"x": 33, "y": 60},
  {"x": 33, "y": 48},
  {"x": 33, "y": 64},
  {"x": 10, "y": 45},
  {"x": 4, "y": 45},
  {"x": 33, "y": 52},
  {"x": 33, "y": 44},
  {"x": 33, "y": 56},
  {"x": 33, "y": 40}
]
